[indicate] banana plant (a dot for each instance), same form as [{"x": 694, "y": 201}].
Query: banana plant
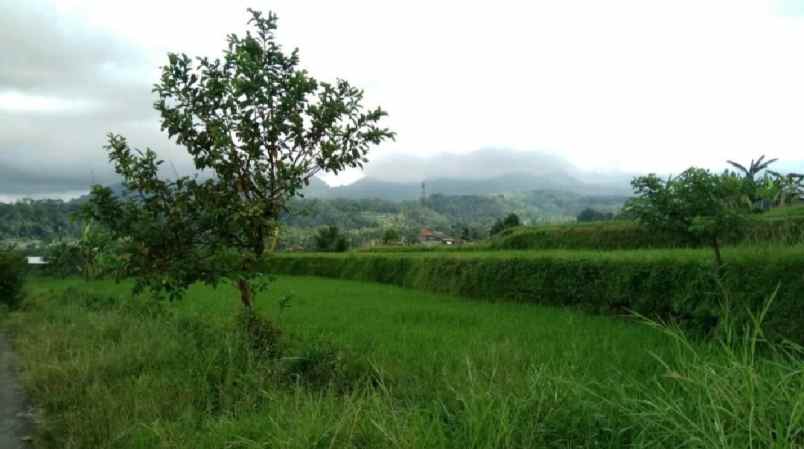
[
  {"x": 754, "y": 167},
  {"x": 789, "y": 187}
]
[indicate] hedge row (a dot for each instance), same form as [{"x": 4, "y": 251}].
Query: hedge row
[
  {"x": 629, "y": 235},
  {"x": 677, "y": 285}
]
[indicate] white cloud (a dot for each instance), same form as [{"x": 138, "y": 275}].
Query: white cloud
[
  {"x": 17, "y": 102},
  {"x": 621, "y": 84}
]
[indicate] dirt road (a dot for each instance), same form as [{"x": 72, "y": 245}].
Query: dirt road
[{"x": 15, "y": 419}]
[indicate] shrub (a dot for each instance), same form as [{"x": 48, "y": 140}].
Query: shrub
[
  {"x": 330, "y": 239},
  {"x": 321, "y": 364},
  {"x": 64, "y": 259},
  {"x": 261, "y": 335},
  {"x": 12, "y": 277}
]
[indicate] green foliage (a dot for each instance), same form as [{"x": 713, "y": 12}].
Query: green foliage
[
  {"x": 780, "y": 189},
  {"x": 184, "y": 378},
  {"x": 12, "y": 277},
  {"x": 750, "y": 187},
  {"x": 64, "y": 259},
  {"x": 263, "y": 127},
  {"x": 391, "y": 236},
  {"x": 696, "y": 205},
  {"x": 510, "y": 221},
  {"x": 744, "y": 392},
  {"x": 364, "y": 220},
  {"x": 329, "y": 239},
  {"x": 610, "y": 235},
  {"x": 154, "y": 375},
  {"x": 590, "y": 214},
  {"x": 43, "y": 220},
  {"x": 677, "y": 285},
  {"x": 778, "y": 226}
]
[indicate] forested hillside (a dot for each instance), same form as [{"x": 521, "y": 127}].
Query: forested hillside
[
  {"x": 363, "y": 219},
  {"x": 38, "y": 220}
]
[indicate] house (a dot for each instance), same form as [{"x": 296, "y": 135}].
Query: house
[
  {"x": 36, "y": 260},
  {"x": 431, "y": 238}
]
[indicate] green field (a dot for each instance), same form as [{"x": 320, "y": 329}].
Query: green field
[
  {"x": 677, "y": 285},
  {"x": 363, "y": 365}
]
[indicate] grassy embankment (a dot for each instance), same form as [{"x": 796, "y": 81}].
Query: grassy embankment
[{"x": 375, "y": 366}]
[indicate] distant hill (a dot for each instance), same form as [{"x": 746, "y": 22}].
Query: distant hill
[
  {"x": 511, "y": 183},
  {"x": 488, "y": 171}
]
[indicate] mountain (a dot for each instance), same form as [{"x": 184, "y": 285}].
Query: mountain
[
  {"x": 483, "y": 172},
  {"x": 514, "y": 182}
]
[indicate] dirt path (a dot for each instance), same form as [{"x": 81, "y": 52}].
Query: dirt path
[{"x": 15, "y": 419}]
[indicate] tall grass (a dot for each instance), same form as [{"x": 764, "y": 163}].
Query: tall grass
[
  {"x": 742, "y": 391},
  {"x": 372, "y": 366}
]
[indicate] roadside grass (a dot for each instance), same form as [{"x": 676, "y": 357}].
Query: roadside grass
[{"x": 362, "y": 365}]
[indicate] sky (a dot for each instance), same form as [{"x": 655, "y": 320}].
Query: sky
[{"x": 622, "y": 85}]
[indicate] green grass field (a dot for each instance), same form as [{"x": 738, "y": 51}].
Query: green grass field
[{"x": 362, "y": 365}]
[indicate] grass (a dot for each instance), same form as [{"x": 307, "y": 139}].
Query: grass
[{"x": 364, "y": 365}]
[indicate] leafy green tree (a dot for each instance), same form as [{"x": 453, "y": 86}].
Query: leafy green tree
[
  {"x": 64, "y": 259},
  {"x": 510, "y": 221},
  {"x": 262, "y": 127},
  {"x": 391, "y": 236},
  {"x": 330, "y": 239},
  {"x": 698, "y": 205},
  {"x": 590, "y": 214}
]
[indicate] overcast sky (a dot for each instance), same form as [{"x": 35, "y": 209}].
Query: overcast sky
[{"x": 626, "y": 85}]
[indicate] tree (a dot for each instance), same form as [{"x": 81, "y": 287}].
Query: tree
[
  {"x": 754, "y": 167},
  {"x": 329, "y": 239},
  {"x": 782, "y": 189},
  {"x": 697, "y": 205},
  {"x": 391, "y": 236},
  {"x": 590, "y": 214},
  {"x": 749, "y": 185},
  {"x": 262, "y": 128},
  {"x": 510, "y": 221}
]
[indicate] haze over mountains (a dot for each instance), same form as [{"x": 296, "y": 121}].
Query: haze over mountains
[
  {"x": 482, "y": 172},
  {"x": 396, "y": 178}
]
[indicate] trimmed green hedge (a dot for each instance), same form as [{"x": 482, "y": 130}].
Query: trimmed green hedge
[
  {"x": 618, "y": 235},
  {"x": 670, "y": 284}
]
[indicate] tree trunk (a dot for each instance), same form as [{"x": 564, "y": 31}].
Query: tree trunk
[
  {"x": 718, "y": 258},
  {"x": 246, "y": 295}
]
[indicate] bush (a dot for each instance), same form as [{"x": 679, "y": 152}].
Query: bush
[
  {"x": 12, "y": 277},
  {"x": 330, "y": 239},
  {"x": 671, "y": 285}
]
